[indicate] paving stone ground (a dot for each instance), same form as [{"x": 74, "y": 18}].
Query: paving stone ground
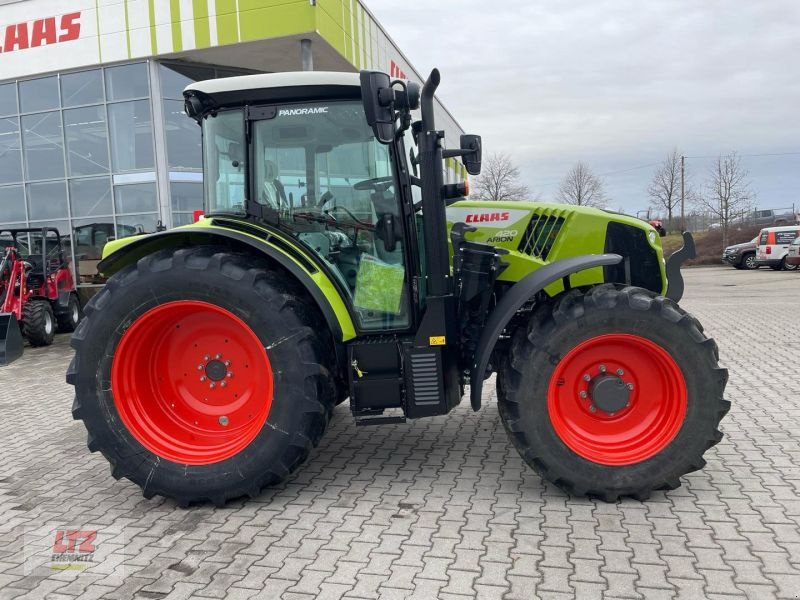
[{"x": 439, "y": 508}]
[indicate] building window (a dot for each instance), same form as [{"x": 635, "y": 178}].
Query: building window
[
  {"x": 87, "y": 140},
  {"x": 183, "y": 137},
  {"x": 129, "y": 225},
  {"x": 12, "y": 204},
  {"x": 43, "y": 144},
  {"x": 39, "y": 94},
  {"x": 186, "y": 198},
  {"x": 10, "y": 150},
  {"x": 131, "y": 128},
  {"x": 136, "y": 198},
  {"x": 8, "y": 99},
  {"x": 91, "y": 197},
  {"x": 47, "y": 200},
  {"x": 84, "y": 87},
  {"x": 127, "y": 82}
]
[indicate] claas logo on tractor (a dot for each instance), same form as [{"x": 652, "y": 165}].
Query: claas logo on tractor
[
  {"x": 487, "y": 217},
  {"x": 320, "y": 285}
]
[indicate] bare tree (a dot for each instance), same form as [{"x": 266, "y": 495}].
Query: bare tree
[
  {"x": 499, "y": 180},
  {"x": 665, "y": 187},
  {"x": 581, "y": 187},
  {"x": 727, "y": 192}
]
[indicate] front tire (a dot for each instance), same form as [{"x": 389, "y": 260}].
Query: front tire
[
  {"x": 749, "y": 262},
  {"x": 202, "y": 375},
  {"x": 38, "y": 322},
  {"x": 648, "y": 352}
]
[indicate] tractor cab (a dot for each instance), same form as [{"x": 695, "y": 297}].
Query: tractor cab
[{"x": 328, "y": 160}]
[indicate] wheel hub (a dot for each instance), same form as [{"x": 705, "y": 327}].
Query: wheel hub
[
  {"x": 216, "y": 370},
  {"x": 609, "y": 393}
]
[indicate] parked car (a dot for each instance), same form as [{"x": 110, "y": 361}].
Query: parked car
[
  {"x": 773, "y": 246},
  {"x": 793, "y": 256},
  {"x": 742, "y": 256},
  {"x": 775, "y": 217}
]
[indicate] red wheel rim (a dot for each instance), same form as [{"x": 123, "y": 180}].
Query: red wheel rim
[
  {"x": 651, "y": 420},
  {"x": 192, "y": 382}
]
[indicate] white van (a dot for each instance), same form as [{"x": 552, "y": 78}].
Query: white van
[{"x": 773, "y": 246}]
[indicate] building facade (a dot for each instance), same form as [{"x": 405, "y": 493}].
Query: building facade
[{"x": 93, "y": 137}]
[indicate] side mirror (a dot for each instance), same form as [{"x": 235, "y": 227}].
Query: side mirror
[
  {"x": 378, "y": 98},
  {"x": 474, "y": 150}
]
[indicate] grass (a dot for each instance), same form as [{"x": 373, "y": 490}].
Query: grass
[{"x": 709, "y": 244}]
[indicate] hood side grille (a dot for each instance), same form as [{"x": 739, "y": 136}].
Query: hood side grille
[{"x": 541, "y": 234}]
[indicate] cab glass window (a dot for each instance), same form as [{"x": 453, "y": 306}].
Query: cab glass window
[
  {"x": 320, "y": 173},
  {"x": 224, "y": 157}
]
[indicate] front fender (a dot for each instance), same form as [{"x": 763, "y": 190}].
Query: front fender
[
  {"x": 261, "y": 242},
  {"x": 512, "y": 301}
]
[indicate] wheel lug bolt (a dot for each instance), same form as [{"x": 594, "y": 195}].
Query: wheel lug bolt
[
  {"x": 602, "y": 368},
  {"x": 229, "y": 374},
  {"x": 203, "y": 378},
  {"x": 587, "y": 377},
  {"x": 212, "y": 385},
  {"x": 206, "y": 358},
  {"x": 620, "y": 372},
  {"x": 218, "y": 356},
  {"x": 223, "y": 420},
  {"x": 592, "y": 408},
  {"x": 199, "y": 367},
  {"x": 583, "y": 394},
  {"x": 630, "y": 386},
  {"x": 223, "y": 384},
  {"x": 227, "y": 363}
]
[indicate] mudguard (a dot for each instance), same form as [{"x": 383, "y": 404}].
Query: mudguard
[
  {"x": 673, "y": 267},
  {"x": 289, "y": 257},
  {"x": 512, "y": 301}
]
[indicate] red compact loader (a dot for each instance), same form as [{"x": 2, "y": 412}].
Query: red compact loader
[{"x": 37, "y": 290}]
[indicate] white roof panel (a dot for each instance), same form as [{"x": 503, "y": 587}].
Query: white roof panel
[{"x": 275, "y": 80}]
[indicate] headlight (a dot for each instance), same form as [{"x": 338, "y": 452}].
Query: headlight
[{"x": 652, "y": 237}]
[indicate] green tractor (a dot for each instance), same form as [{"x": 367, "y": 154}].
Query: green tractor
[{"x": 334, "y": 260}]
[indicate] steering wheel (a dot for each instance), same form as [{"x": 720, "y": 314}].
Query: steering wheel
[
  {"x": 372, "y": 184},
  {"x": 326, "y": 197}
]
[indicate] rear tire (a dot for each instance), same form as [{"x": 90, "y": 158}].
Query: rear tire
[
  {"x": 38, "y": 322},
  {"x": 673, "y": 411},
  {"x": 143, "y": 385},
  {"x": 68, "y": 319}
]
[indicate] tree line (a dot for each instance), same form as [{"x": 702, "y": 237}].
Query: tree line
[{"x": 725, "y": 192}]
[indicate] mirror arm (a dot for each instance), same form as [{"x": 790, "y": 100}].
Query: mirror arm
[{"x": 456, "y": 153}]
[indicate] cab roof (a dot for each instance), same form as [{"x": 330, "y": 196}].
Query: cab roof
[
  {"x": 215, "y": 94},
  {"x": 275, "y": 80}
]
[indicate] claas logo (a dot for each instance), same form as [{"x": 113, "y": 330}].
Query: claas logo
[
  {"x": 396, "y": 72},
  {"x": 487, "y": 217},
  {"x": 41, "y": 32}
]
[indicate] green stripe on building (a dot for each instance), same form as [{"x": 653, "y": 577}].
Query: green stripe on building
[
  {"x": 97, "y": 19},
  {"x": 202, "y": 29},
  {"x": 227, "y": 22},
  {"x": 127, "y": 29},
  {"x": 151, "y": 14},
  {"x": 175, "y": 22}
]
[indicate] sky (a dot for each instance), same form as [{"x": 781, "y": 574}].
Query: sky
[{"x": 617, "y": 84}]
